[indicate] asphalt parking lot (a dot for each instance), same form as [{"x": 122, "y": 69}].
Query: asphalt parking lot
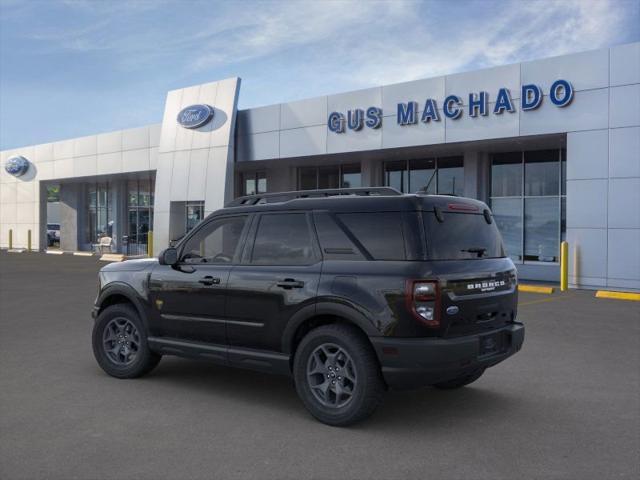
[{"x": 567, "y": 406}]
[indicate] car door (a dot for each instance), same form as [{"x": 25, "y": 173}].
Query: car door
[
  {"x": 278, "y": 276},
  {"x": 188, "y": 299}
]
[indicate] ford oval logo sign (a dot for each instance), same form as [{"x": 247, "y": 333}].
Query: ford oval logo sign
[
  {"x": 195, "y": 116},
  {"x": 17, "y": 166}
]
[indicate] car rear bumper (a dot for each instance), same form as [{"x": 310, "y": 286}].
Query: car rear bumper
[{"x": 417, "y": 362}]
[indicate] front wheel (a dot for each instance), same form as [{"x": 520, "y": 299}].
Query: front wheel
[
  {"x": 120, "y": 343},
  {"x": 337, "y": 375}
]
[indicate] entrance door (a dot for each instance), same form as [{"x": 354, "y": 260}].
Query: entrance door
[{"x": 188, "y": 299}]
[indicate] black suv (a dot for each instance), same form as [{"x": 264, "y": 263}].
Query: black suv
[{"x": 349, "y": 291}]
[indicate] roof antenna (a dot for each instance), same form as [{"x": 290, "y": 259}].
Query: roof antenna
[{"x": 425, "y": 189}]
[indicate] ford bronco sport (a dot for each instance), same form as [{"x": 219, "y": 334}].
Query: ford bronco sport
[{"x": 349, "y": 291}]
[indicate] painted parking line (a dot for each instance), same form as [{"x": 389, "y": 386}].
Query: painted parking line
[{"x": 545, "y": 300}]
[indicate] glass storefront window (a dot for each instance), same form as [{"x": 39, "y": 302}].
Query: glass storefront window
[
  {"x": 420, "y": 173},
  {"x": 541, "y": 226},
  {"x": 100, "y": 212},
  {"x": 507, "y": 213},
  {"x": 351, "y": 176},
  {"x": 194, "y": 214},
  {"x": 531, "y": 219},
  {"x": 254, "y": 183},
  {"x": 414, "y": 175},
  {"x": 541, "y": 173},
  {"x": 506, "y": 174},
  {"x": 140, "y": 215},
  {"x": 329, "y": 176},
  {"x": 451, "y": 175}
]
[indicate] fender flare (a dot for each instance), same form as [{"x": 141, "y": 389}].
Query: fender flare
[
  {"x": 326, "y": 307},
  {"x": 127, "y": 291}
]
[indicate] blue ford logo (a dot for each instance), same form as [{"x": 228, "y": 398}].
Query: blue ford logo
[
  {"x": 195, "y": 116},
  {"x": 452, "y": 310},
  {"x": 17, "y": 166}
]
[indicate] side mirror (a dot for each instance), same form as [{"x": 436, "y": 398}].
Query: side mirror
[{"x": 168, "y": 256}]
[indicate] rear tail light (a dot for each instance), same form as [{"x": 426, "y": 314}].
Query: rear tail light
[{"x": 423, "y": 301}]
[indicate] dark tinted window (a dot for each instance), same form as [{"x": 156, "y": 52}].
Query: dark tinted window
[
  {"x": 334, "y": 242},
  {"x": 215, "y": 242},
  {"x": 462, "y": 236},
  {"x": 283, "y": 239},
  {"x": 379, "y": 233}
]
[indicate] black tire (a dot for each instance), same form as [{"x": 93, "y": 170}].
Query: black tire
[
  {"x": 133, "y": 364},
  {"x": 365, "y": 391},
  {"x": 460, "y": 381}
]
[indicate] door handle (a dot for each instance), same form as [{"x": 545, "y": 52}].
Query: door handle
[
  {"x": 209, "y": 280},
  {"x": 289, "y": 283}
]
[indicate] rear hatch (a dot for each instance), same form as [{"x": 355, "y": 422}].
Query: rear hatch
[{"x": 477, "y": 282}]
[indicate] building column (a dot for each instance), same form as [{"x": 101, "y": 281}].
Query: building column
[
  {"x": 477, "y": 175},
  {"x": 70, "y": 209}
]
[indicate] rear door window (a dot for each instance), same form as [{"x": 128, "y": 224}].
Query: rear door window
[
  {"x": 380, "y": 233},
  {"x": 283, "y": 239},
  {"x": 462, "y": 236}
]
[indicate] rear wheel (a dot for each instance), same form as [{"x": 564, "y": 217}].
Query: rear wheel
[
  {"x": 459, "y": 381},
  {"x": 337, "y": 375},
  {"x": 120, "y": 343}
]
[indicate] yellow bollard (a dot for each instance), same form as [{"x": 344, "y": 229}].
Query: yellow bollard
[
  {"x": 564, "y": 266},
  {"x": 29, "y": 240},
  {"x": 10, "y": 239},
  {"x": 150, "y": 244}
]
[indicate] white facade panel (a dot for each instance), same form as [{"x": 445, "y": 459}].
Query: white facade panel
[
  {"x": 342, "y": 102},
  {"x": 85, "y": 166},
  {"x": 197, "y": 174},
  {"x": 135, "y": 160},
  {"x": 259, "y": 146},
  {"x": 303, "y": 113},
  {"x": 587, "y": 154},
  {"x": 135, "y": 138},
  {"x": 63, "y": 168},
  {"x": 417, "y": 90},
  {"x": 300, "y": 142},
  {"x": 110, "y": 142},
  {"x": 85, "y": 146},
  {"x": 587, "y": 255},
  {"x": 587, "y": 203},
  {"x": 489, "y": 80},
  {"x": 110, "y": 163},
  {"x": 624, "y": 152},
  {"x": 625, "y": 64},
  {"x": 624, "y": 254},
  {"x": 154, "y": 135},
  {"x": 63, "y": 149},
  {"x": 585, "y": 71},
  {"x": 624, "y": 203},
  {"x": 352, "y": 141},
  {"x": 468, "y": 128},
  {"x": 624, "y": 106},
  {"x": 259, "y": 120},
  {"x": 180, "y": 176},
  {"x": 587, "y": 111},
  {"x": 395, "y": 135},
  {"x": 43, "y": 153}
]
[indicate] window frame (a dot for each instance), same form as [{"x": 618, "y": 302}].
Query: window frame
[
  {"x": 247, "y": 254},
  {"x": 407, "y": 169},
  {"x": 205, "y": 224},
  {"x": 340, "y": 167}
]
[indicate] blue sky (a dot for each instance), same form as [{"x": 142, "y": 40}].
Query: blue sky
[{"x": 78, "y": 67}]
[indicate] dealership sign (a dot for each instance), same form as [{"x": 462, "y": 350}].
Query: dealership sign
[
  {"x": 560, "y": 94},
  {"x": 195, "y": 116},
  {"x": 16, "y": 166}
]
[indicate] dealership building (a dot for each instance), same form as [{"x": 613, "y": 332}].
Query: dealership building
[{"x": 552, "y": 145}]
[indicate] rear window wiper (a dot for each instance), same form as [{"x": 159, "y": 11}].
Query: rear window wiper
[{"x": 478, "y": 250}]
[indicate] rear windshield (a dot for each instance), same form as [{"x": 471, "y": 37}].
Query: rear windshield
[{"x": 462, "y": 236}]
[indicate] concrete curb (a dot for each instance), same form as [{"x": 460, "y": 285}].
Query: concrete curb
[
  {"x": 535, "y": 289},
  {"x": 634, "y": 297}
]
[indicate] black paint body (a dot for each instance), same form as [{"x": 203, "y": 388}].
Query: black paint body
[{"x": 253, "y": 316}]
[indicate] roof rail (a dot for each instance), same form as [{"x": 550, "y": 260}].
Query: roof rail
[{"x": 280, "y": 197}]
